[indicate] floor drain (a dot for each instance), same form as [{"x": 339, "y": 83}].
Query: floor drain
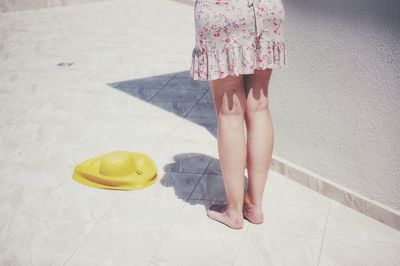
[{"x": 65, "y": 64}]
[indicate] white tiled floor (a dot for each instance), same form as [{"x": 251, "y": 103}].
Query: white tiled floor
[{"x": 129, "y": 89}]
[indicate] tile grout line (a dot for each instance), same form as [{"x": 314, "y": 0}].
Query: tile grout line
[
  {"x": 153, "y": 259},
  {"x": 185, "y": 116},
  {"x": 241, "y": 244},
  {"x": 162, "y": 87},
  {"x": 97, "y": 224},
  {"x": 168, "y": 230},
  {"x": 323, "y": 239},
  {"x": 197, "y": 102},
  {"x": 198, "y": 182}
]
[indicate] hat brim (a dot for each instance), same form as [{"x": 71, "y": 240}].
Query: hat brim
[{"x": 87, "y": 173}]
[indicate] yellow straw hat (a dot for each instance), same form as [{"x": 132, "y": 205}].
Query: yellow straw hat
[{"x": 121, "y": 170}]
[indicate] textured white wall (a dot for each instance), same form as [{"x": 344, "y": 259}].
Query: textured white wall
[{"x": 336, "y": 108}]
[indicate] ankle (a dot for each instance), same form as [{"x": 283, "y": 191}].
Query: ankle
[
  {"x": 236, "y": 217},
  {"x": 251, "y": 202},
  {"x": 235, "y": 212}
]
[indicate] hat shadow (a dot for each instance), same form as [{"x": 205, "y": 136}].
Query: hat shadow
[{"x": 196, "y": 179}]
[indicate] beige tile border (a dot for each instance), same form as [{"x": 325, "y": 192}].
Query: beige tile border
[{"x": 337, "y": 192}]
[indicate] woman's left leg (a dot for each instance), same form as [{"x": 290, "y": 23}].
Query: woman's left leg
[{"x": 230, "y": 101}]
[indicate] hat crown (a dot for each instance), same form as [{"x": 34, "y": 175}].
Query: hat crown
[{"x": 118, "y": 163}]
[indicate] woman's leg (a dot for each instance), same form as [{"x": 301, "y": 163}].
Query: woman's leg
[
  {"x": 229, "y": 103},
  {"x": 260, "y": 139}
]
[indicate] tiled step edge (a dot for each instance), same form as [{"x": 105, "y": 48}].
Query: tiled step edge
[{"x": 354, "y": 200}]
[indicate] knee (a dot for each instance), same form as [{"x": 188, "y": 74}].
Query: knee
[
  {"x": 232, "y": 107},
  {"x": 234, "y": 112},
  {"x": 229, "y": 97},
  {"x": 257, "y": 102},
  {"x": 257, "y": 107},
  {"x": 236, "y": 115}
]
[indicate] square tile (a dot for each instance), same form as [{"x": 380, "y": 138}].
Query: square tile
[
  {"x": 95, "y": 261},
  {"x": 8, "y": 224},
  {"x": 173, "y": 94},
  {"x": 55, "y": 236},
  {"x": 182, "y": 184},
  {"x": 207, "y": 122},
  {"x": 292, "y": 221},
  {"x": 261, "y": 249},
  {"x": 359, "y": 253},
  {"x": 123, "y": 241},
  {"x": 72, "y": 200},
  {"x": 140, "y": 93},
  {"x": 214, "y": 168},
  {"x": 184, "y": 83},
  {"x": 30, "y": 257},
  {"x": 346, "y": 223},
  {"x": 207, "y": 98},
  {"x": 151, "y": 83},
  {"x": 280, "y": 190},
  {"x": 16, "y": 199},
  {"x": 203, "y": 109},
  {"x": 33, "y": 174},
  {"x": 138, "y": 208},
  {"x": 180, "y": 109},
  {"x": 210, "y": 187},
  {"x": 189, "y": 163},
  {"x": 199, "y": 247}
]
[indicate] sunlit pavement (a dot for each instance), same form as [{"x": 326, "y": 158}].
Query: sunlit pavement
[{"x": 82, "y": 80}]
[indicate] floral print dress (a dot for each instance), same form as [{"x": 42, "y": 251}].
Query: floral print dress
[{"x": 237, "y": 36}]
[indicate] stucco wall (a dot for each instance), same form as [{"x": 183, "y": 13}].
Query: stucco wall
[{"x": 336, "y": 108}]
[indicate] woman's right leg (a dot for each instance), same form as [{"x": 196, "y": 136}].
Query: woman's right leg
[{"x": 260, "y": 139}]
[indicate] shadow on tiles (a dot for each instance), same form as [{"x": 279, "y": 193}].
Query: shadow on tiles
[
  {"x": 177, "y": 93},
  {"x": 196, "y": 179}
]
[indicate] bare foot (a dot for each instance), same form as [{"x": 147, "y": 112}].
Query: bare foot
[
  {"x": 252, "y": 213},
  {"x": 221, "y": 214}
]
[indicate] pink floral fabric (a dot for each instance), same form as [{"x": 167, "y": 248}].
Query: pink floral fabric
[{"x": 237, "y": 36}]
